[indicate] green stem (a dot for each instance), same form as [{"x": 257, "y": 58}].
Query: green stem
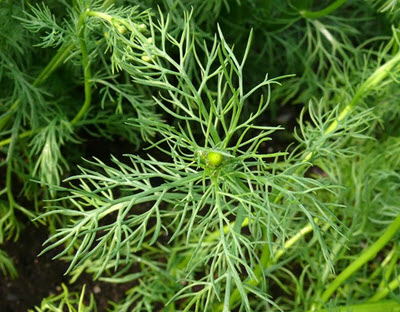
[
  {"x": 102, "y": 15},
  {"x": 57, "y": 59},
  {"x": 388, "y": 259},
  {"x": 45, "y": 73},
  {"x": 361, "y": 92},
  {"x": 9, "y": 113},
  {"x": 107, "y": 3},
  {"x": 290, "y": 242},
  {"x": 21, "y": 136},
  {"x": 49, "y": 69},
  {"x": 321, "y": 13},
  {"x": 10, "y": 213},
  {"x": 86, "y": 70},
  {"x": 383, "y": 306},
  {"x": 389, "y": 269},
  {"x": 366, "y": 256},
  {"x": 217, "y": 233},
  {"x": 383, "y": 292}
]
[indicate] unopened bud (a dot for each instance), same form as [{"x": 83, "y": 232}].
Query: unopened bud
[
  {"x": 146, "y": 58},
  {"x": 142, "y": 28},
  {"x": 121, "y": 29}
]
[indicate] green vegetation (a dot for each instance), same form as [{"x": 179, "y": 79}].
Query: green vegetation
[{"x": 258, "y": 168}]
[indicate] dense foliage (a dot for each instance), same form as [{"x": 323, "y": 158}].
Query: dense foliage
[{"x": 258, "y": 166}]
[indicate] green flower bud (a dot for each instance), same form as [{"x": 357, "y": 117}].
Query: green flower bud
[
  {"x": 121, "y": 29},
  {"x": 142, "y": 28},
  {"x": 147, "y": 58},
  {"x": 214, "y": 159}
]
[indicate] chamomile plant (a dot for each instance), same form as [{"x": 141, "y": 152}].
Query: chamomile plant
[
  {"x": 210, "y": 214},
  {"x": 211, "y": 184}
]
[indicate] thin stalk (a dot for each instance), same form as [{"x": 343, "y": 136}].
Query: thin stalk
[
  {"x": 293, "y": 240},
  {"x": 389, "y": 270},
  {"x": 388, "y": 259},
  {"x": 366, "y": 256},
  {"x": 10, "y": 195},
  {"x": 86, "y": 70},
  {"x": 107, "y": 3},
  {"x": 321, "y": 13},
  {"x": 10, "y": 112},
  {"x": 47, "y": 71},
  {"x": 383, "y": 306},
  {"x": 217, "y": 233},
  {"x": 373, "y": 80},
  {"x": 383, "y": 292},
  {"x": 21, "y": 136},
  {"x": 361, "y": 92},
  {"x": 57, "y": 59}
]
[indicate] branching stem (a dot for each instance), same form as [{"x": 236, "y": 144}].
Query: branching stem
[
  {"x": 383, "y": 292},
  {"x": 366, "y": 256},
  {"x": 57, "y": 59},
  {"x": 61, "y": 55}
]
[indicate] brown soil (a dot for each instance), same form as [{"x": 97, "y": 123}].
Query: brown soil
[{"x": 41, "y": 276}]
